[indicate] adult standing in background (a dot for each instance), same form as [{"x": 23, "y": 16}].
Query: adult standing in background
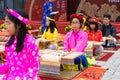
[{"x": 48, "y": 7}]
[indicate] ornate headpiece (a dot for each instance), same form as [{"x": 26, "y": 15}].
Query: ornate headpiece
[
  {"x": 94, "y": 19},
  {"x": 18, "y": 16},
  {"x": 50, "y": 19},
  {"x": 77, "y": 16}
]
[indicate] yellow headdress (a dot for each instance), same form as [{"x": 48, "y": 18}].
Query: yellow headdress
[{"x": 50, "y": 19}]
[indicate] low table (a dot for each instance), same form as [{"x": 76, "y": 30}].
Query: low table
[{"x": 64, "y": 75}]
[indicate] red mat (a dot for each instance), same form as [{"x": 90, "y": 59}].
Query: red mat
[
  {"x": 117, "y": 47},
  {"x": 91, "y": 73},
  {"x": 105, "y": 56}
]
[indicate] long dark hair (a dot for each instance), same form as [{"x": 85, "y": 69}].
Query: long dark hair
[
  {"x": 52, "y": 26},
  {"x": 22, "y": 31},
  {"x": 96, "y": 26}
]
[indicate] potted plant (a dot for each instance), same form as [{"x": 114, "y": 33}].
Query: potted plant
[{"x": 68, "y": 28}]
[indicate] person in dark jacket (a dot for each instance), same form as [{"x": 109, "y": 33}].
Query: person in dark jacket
[{"x": 108, "y": 31}]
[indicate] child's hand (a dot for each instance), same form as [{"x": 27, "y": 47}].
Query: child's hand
[
  {"x": 110, "y": 36},
  {"x": 72, "y": 50}
]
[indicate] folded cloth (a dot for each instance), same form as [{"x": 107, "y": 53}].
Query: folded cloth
[
  {"x": 79, "y": 62},
  {"x": 91, "y": 60},
  {"x": 75, "y": 67},
  {"x": 83, "y": 59}
]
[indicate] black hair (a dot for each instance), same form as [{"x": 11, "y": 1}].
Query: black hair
[
  {"x": 22, "y": 31},
  {"x": 87, "y": 21},
  {"x": 52, "y": 25},
  {"x": 107, "y": 16},
  {"x": 118, "y": 19},
  {"x": 96, "y": 26}
]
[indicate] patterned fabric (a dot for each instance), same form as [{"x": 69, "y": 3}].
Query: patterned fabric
[
  {"x": 95, "y": 36},
  {"x": 46, "y": 12},
  {"x": 23, "y": 65},
  {"x": 76, "y": 41}
]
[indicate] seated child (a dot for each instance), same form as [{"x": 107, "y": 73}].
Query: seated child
[
  {"x": 94, "y": 34},
  {"x": 51, "y": 33},
  {"x": 76, "y": 39}
]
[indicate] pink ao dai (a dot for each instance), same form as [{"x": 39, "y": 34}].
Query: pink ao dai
[{"x": 23, "y": 65}]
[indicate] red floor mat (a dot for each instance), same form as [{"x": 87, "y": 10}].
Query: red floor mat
[{"x": 105, "y": 57}]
